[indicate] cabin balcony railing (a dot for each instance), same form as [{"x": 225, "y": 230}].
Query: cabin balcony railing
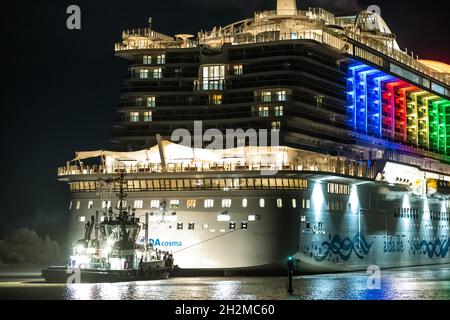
[{"x": 211, "y": 85}]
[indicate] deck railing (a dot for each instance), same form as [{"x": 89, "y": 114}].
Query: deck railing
[
  {"x": 360, "y": 169},
  {"x": 158, "y": 40}
]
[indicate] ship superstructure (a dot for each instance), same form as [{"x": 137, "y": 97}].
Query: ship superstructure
[{"x": 360, "y": 175}]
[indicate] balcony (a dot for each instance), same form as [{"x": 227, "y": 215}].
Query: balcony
[{"x": 211, "y": 85}]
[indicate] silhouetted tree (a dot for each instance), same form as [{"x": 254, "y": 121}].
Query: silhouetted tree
[{"x": 26, "y": 247}]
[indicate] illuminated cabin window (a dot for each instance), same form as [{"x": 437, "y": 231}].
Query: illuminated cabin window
[
  {"x": 253, "y": 217},
  {"x": 279, "y": 203},
  {"x": 78, "y": 205},
  {"x": 213, "y": 77},
  {"x": 294, "y": 203},
  {"x": 338, "y": 188},
  {"x": 147, "y": 59},
  {"x": 226, "y": 203},
  {"x": 238, "y": 69},
  {"x": 263, "y": 111},
  {"x": 154, "y": 204},
  {"x": 106, "y": 204},
  {"x": 90, "y": 204},
  {"x": 215, "y": 99},
  {"x": 306, "y": 203},
  {"x": 223, "y": 217},
  {"x": 209, "y": 203},
  {"x": 157, "y": 73},
  {"x": 262, "y": 203},
  {"x": 138, "y": 204},
  {"x": 70, "y": 205},
  {"x": 81, "y": 219},
  {"x": 266, "y": 96},
  {"x": 336, "y": 206},
  {"x": 143, "y": 74},
  {"x": 276, "y": 125},
  {"x": 151, "y": 102},
  {"x": 174, "y": 204},
  {"x": 244, "y": 203},
  {"x": 161, "y": 59},
  {"x": 147, "y": 116},
  {"x": 281, "y": 95},
  {"x": 191, "y": 204},
  {"x": 278, "y": 111},
  {"x": 205, "y": 226},
  {"x": 134, "y": 116}
]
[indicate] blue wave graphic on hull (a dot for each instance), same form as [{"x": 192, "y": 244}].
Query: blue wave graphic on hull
[
  {"x": 343, "y": 248},
  {"x": 436, "y": 248}
]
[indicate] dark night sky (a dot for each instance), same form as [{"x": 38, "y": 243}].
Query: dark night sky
[{"x": 60, "y": 87}]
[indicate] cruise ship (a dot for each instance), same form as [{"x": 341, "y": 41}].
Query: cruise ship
[{"x": 354, "y": 170}]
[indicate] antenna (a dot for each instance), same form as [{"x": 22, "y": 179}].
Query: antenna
[{"x": 150, "y": 20}]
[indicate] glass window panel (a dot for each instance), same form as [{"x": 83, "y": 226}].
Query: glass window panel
[
  {"x": 279, "y": 203},
  {"x": 191, "y": 203},
  {"x": 279, "y": 183},
  {"x": 215, "y": 183},
  {"x": 273, "y": 183},
  {"x": 262, "y": 203}
]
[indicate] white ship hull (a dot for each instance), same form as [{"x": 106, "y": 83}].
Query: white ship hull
[{"x": 325, "y": 232}]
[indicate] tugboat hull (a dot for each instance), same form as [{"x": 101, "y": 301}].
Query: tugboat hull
[{"x": 65, "y": 275}]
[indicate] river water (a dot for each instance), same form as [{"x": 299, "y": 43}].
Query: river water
[{"x": 398, "y": 284}]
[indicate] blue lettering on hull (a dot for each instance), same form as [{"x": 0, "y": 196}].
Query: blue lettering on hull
[
  {"x": 343, "y": 248},
  {"x": 163, "y": 243}
]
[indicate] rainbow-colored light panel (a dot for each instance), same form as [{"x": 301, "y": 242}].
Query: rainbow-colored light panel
[{"x": 383, "y": 106}]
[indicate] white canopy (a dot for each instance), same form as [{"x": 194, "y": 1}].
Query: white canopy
[{"x": 175, "y": 153}]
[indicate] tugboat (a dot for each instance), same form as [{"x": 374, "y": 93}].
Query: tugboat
[{"x": 113, "y": 255}]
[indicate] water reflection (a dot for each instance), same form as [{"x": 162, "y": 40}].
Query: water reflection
[{"x": 412, "y": 283}]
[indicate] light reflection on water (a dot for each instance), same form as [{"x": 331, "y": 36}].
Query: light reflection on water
[{"x": 412, "y": 283}]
